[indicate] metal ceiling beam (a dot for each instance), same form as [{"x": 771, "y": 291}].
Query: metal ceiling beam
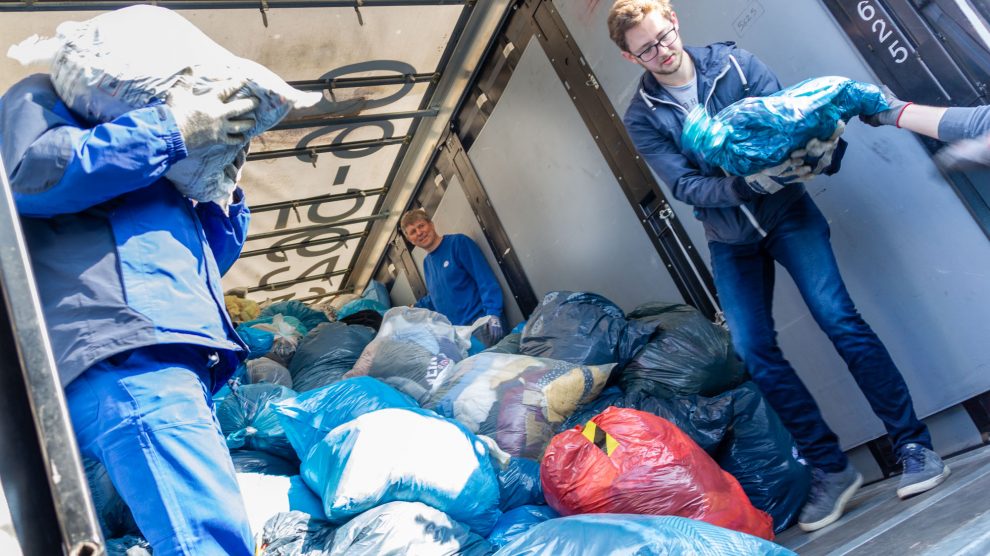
[
  {"x": 349, "y": 146},
  {"x": 323, "y": 295},
  {"x": 370, "y": 81},
  {"x": 317, "y": 228},
  {"x": 308, "y": 243},
  {"x": 279, "y": 285},
  {"x": 352, "y": 194},
  {"x": 481, "y": 28},
  {"x": 82, "y": 5},
  {"x": 349, "y": 120}
]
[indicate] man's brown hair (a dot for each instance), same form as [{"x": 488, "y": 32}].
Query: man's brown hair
[
  {"x": 626, "y": 14},
  {"x": 412, "y": 217}
]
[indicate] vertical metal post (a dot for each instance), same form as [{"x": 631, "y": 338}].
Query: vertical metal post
[{"x": 40, "y": 465}]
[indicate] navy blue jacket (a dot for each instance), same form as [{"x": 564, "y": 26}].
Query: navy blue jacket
[
  {"x": 460, "y": 283},
  {"x": 121, "y": 258},
  {"x": 730, "y": 210}
]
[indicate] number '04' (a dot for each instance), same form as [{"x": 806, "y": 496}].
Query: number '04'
[{"x": 868, "y": 13}]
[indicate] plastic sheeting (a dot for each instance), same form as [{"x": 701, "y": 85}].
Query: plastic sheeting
[
  {"x": 517, "y": 521},
  {"x": 412, "y": 349},
  {"x": 516, "y": 399},
  {"x": 519, "y": 484},
  {"x": 407, "y": 528},
  {"x": 265, "y": 371},
  {"x": 641, "y": 535},
  {"x": 253, "y": 461},
  {"x": 248, "y": 419},
  {"x": 112, "y": 512},
  {"x": 327, "y": 353},
  {"x": 579, "y": 327},
  {"x": 409, "y": 455},
  {"x": 629, "y": 461},
  {"x": 296, "y": 534},
  {"x": 266, "y": 495},
  {"x": 686, "y": 354},
  {"x": 308, "y": 417},
  {"x": 756, "y": 133},
  {"x": 760, "y": 454}
]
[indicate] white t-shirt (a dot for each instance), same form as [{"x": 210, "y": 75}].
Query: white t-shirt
[{"x": 685, "y": 95}]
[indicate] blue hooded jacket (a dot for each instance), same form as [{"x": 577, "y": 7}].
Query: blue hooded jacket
[
  {"x": 121, "y": 258},
  {"x": 730, "y": 210}
]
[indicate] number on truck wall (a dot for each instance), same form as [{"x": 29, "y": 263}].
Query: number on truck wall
[{"x": 868, "y": 13}]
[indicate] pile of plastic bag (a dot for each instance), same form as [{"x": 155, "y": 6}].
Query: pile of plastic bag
[
  {"x": 327, "y": 353},
  {"x": 248, "y": 419},
  {"x": 516, "y": 399},
  {"x": 757, "y": 133}
]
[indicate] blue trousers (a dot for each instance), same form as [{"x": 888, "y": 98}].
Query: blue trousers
[
  {"x": 146, "y": 415},
  {"x": 744, "y": 278}
]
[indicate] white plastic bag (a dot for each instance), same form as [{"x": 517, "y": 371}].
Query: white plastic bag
[{"x": 125, "y": 59}]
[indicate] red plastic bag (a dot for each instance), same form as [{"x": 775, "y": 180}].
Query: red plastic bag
[{"x": 631, "y": 462}]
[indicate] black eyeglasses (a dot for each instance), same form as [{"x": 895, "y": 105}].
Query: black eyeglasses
[{"x": 650, "y": 52}]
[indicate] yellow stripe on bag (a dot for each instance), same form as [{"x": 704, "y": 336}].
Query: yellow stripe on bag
[{"x": 600, "y": 438}]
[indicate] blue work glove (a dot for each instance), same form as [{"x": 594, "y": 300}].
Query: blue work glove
[
  {"x": 494, "y": 329},
  {"x": 966, "y": 154},
  {"x": 889, "y": 116}
]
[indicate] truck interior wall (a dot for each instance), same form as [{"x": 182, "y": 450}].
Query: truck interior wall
[
  {"x": 912, "y": 257},
  {"x": 454, "y": 216},
  {"x": 567, "y": 218}
]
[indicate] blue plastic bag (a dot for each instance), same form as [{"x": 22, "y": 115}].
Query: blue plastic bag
[
  {"x": 253, "y": 461},
  {"x": 409, "y": 455},
  {"x": 248, "y": 419},
  {"x": 413, "y": 528},
  {"x": 259, "y": 342},
  {"x": 360, "y": 305},
  {"x": 376, "y": 291},
  {"x": 519, "y": 484},
  {"x": 757, "y": 133},
  {"x": 310, "y": 318},
  {"x": 642, "y": 535},
  {"x": 517, "y": 521},
  {"x": 308, "y": 417}
]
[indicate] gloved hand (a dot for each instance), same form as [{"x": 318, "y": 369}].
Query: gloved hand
[
  {"x": 210, "y": 117},
  {"x": 889, "y": 116},
  {"x": 966, "y": 154},
  {"x": 819, "y": 150},
  {"x": 774, "y": 179},
  {"x": 232, "y": 175},
  {"x": 494, "y": 330}
]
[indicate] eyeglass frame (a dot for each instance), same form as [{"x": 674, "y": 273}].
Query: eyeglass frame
[{"x": 655, "y": 46}]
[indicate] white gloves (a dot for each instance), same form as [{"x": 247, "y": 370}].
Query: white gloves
[
  {"x": 966, "y": 154},
  {"x": 210, "y": 117},
  {"x": 798, "y": 167}
]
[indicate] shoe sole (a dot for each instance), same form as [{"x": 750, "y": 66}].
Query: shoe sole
[
  {"x": 840, "y": 508},
  {"x": 923, "y": 486}
]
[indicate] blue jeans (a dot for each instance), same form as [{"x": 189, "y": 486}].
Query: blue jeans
[
  {"x": 146, "y": 415},
  {"x": 744, "y": 278}
]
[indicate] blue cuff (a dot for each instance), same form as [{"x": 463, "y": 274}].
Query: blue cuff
[{"x": 173, "y": 137}]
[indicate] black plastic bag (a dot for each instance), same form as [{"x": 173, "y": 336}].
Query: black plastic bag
[
  {"x": 509, "y": 344},
  {"x": 112, "y": 512},
  {"x": 760, "y": 454},
  {"x": 686, "y": 354},
  {"x": 577, "y": 327},
  {"x": 326, "y": 353},
  {"x": 253, "y": 461},
  {"x": 296, "y": 534},
  {"x": 368, "y": 317}
]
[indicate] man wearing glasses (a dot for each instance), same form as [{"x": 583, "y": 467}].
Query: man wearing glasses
[{"x": 753, "y": 222}]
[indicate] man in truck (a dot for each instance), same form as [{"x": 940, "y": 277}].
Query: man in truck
[
  {"x": 128, "y": 271},
  {"x": 459, "y": 283},
  {"x": 753, "y": 222}
]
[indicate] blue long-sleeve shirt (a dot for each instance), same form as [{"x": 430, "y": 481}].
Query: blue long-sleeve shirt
[
  {"x": 459, "y": 282},
  {"x": 964, "y": 123}
]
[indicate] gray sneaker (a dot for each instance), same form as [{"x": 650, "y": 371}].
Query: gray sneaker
[
  {"x": 830, "y": 492},
  {"x": 923, "y": 470}
]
